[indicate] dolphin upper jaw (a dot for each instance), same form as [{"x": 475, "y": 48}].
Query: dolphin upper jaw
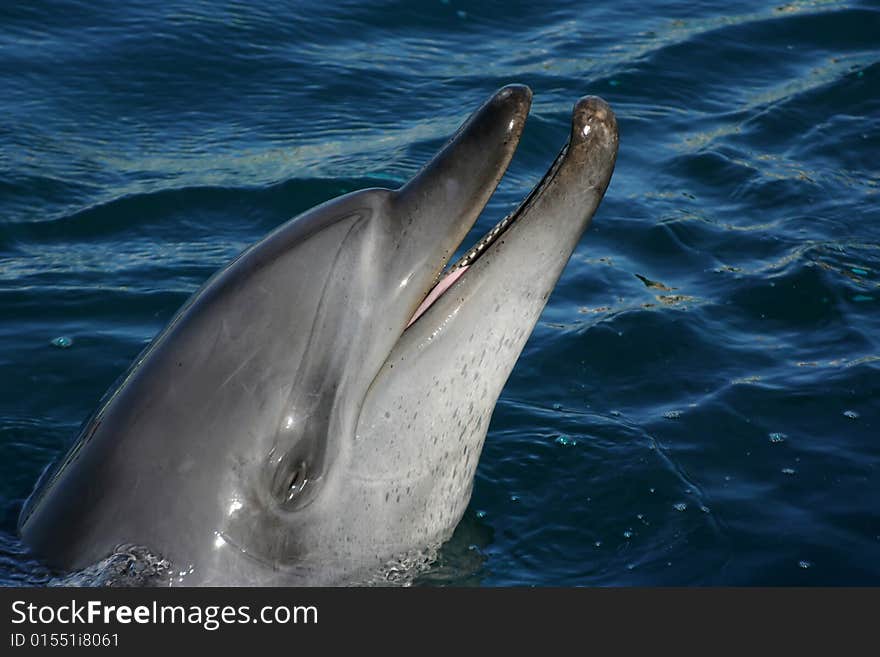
[{"x": 435, "y": 210}]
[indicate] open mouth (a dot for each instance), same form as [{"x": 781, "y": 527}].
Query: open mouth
[{"x": 454, "y": 272}]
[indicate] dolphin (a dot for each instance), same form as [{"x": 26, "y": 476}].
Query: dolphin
[{"x": 316, "y": 411}]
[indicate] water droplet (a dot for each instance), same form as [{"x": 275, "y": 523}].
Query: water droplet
[
  {"x": 672, "y": 415},
  {"x": 514, "y": 498},
  {"x": 651, "y": 490},
  {"x": 481, "y": 514},
  {"x": 628, "y": 533},
  {"x": 852, "y": 415},
  {"x": 788, "y": 471},
  {"x": 598, "y": 544},
  {"x": 62, "y": 342},
  {"x": 680, "y": 506},
  {"x": 704, "y": 508},
  {"x": 803, "y": 563},
  {"x": 777, "y": 437},
  {"x": 565, "y": 441}
]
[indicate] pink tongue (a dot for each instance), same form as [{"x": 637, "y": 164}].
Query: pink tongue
[{"x": 438, "y": 290}]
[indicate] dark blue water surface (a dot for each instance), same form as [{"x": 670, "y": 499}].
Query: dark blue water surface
[{"x": 699, "y": 402}]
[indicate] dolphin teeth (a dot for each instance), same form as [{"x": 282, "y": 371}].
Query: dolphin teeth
[{"x": 452, "y": 273}]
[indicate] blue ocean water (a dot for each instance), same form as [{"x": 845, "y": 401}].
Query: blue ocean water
[{"x": 699, "y": 402}]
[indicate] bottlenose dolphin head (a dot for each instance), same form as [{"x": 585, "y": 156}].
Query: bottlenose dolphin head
[{"x": 318, "y": 408}]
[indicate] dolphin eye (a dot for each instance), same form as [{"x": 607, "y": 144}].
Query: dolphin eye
[
  {"x": 293, "y": 479},
  {"x": 296, "y": 482},
  {"x": 293, "y": 484}
]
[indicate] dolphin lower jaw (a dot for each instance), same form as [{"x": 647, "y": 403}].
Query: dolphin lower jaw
[{"x": 457, "y": 355}]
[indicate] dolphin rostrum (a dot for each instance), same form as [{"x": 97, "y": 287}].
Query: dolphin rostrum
[{"x": 317, "y": 409}]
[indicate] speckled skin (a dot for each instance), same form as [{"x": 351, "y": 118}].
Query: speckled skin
[{"x": 285, "y": 429}]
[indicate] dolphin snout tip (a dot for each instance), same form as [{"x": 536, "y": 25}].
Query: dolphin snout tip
[
  {"x": 516, "y": 92},
  {"x": 593, "y": 116},
  {"x": 517, "y": 97}
]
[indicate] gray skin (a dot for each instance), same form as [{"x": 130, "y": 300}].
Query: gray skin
[{"x": 287, "y": 428}]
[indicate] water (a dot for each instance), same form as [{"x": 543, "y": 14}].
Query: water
[{"x": 727, "y": 292}]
